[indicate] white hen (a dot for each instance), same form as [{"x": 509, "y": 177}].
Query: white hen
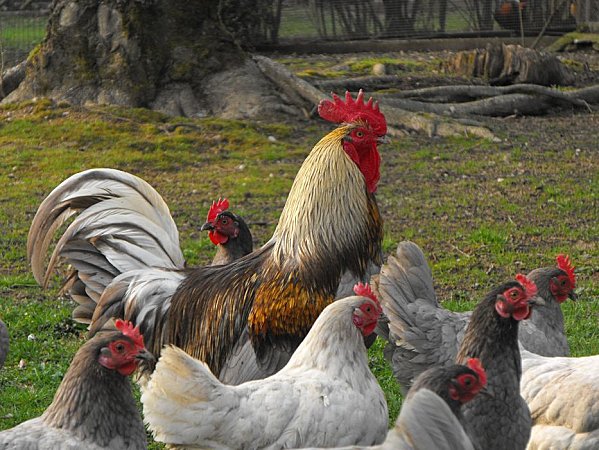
[
  {"x": 325, "y": 395},
  {"x": 563, "y": 396}
]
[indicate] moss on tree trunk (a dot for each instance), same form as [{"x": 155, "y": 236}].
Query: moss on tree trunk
[{"x": 171, "y": 55}]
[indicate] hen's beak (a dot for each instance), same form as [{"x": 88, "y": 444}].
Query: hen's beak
[
  {"x": 572, "y": 295},
  {"x": 148, "y": 362},
  {"x": 207, "y": 227},
  {"x": 484, "y": 391},
  {"x": 383, "y": 140},
  {"x": 537, "y": 301}
]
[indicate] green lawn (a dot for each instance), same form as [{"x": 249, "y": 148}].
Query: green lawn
[{"x": 481, "y": 210}]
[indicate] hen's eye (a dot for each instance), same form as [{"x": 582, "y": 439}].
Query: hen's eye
[
  {"x": 120, "y": 348},
  {"x": 514, "y": 294},
  {"x": 468, "y": 382},
  {"x": 224, "y": 221},
  {"x": 359, "y": 134}
]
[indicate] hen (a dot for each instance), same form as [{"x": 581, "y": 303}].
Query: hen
[
  {"x": 430, "y": 415},
  {"x": 246, "y": 319},
  {"x": 229, "y": 232},
  {"x": 501, "y": 420},
  {"x": 4, "y": 343},
  {"x": 422, "y": 334},
  {"x": 325, "y": 395},
  {"x": 563, "y": 397},
  {"x": 93, "y": 407}
]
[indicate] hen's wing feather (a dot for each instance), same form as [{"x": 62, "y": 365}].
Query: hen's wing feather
[
  {"x": 426, "y": 422},
  {"x": 563, "y": 396},
  {"x": 184, "y": 403},
  {"x": 34, "y": 434},
  {"x": 421, "y": 333}
]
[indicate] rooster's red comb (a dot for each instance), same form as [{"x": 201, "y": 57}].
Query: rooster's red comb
[
  {"x": 477, "y": 366},
  {"x": 127, "y": 328},
  {"x": 350, "y": 110},
  {"x": 564, "y": 263},
  {"x": 217, "y": 208},
  {"x": 364, "y": 290},
  {"x": 529, "y": 286}
]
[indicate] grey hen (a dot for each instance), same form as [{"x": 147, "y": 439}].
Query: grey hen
[{"x": 422, "y": 334}]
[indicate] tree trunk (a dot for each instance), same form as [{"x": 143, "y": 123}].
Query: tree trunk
[{"x": 181, "y": 57}]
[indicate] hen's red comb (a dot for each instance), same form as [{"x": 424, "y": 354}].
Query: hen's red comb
[
  {"x": 529, "y": 286},
  {"x": 564, "y": 263},
  {"x": 350, "y": 111},
  {"x": 217, "y": 208},
  {"x": 130, "y": 331},
  {"x": 364, "y": 290},
  {"x": 477, "y": 366}
]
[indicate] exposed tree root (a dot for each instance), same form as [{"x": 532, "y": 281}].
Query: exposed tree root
[
  {"x": 459, "y": 101},
  {"x": 398, "y": 119},
  {"x": 11, "y": 78}
]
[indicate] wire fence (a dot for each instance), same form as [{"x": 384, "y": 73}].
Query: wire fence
[
  {"x": 23, "y": 22},
  {"x": 22, "y": 27}
]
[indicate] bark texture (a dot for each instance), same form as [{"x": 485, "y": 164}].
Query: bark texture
[{"x": 175, "y": 56}]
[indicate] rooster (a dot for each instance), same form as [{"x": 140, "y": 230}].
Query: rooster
[
  {"x": 325, "y": 395},
  {"x": 4, "y": 343},
  {"x": 563, "y": 397},
  {"x": 93, "y": 407},
  {"x": 246, "y": 319},
  {"x": 430, "y": 415},
  {"x": 422, "y": 334},
  {"x": 228, "y": 232}
]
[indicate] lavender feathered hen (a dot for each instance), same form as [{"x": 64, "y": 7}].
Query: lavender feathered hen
[
  {"x": 430, "y": 415},
  {"x": 93, "y": 408},
  {"x": 563, "y": 397},
  {"x": 324, "y": 396}
]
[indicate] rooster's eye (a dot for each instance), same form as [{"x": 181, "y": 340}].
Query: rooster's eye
[
  {"x": 224, "y": 221},
  {"x": 359, "y": 134},
  {"x": 120, "y": 348},
  {"x": 514, "y": 294}
]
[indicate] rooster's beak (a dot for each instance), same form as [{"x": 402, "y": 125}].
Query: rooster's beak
[
  {"x": 572, "y": 295},
  {"x": 207, "y": 227},
  {"x": 537, "y": 301},
  {"x": 383, "y": 140}
]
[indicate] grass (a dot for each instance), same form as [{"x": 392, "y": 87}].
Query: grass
[{"x": 481, "y": 211}]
